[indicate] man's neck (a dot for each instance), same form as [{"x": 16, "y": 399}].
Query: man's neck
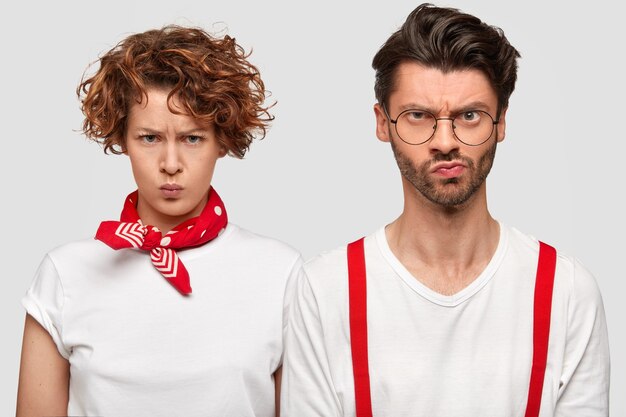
[{"x": 444, "y": 248}]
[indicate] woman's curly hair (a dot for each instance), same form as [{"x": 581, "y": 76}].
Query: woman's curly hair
[{"x": 210, "y": 76}]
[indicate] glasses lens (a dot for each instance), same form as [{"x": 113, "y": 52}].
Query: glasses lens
[
  {"x": 473, "y": 127},
  {"x": 415, "y": 126}
]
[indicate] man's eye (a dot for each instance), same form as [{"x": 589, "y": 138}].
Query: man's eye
[
  {"x": 416, "y": 115},
  {"x": 469, "y": 116}
]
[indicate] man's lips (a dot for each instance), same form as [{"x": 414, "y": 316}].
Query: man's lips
[{"x": 448, "y": 169}]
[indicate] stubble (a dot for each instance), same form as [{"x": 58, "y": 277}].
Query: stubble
[{"x": 452, "y": 192}]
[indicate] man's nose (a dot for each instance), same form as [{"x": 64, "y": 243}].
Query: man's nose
[{"x": 443, "y": 140}]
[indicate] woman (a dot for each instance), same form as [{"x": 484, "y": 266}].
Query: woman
[{"x": 113, "y": 327}]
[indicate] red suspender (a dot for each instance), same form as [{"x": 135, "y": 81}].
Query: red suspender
[
  {"x": 541, "y": 325},
  {"x": 358, "y": 326}
]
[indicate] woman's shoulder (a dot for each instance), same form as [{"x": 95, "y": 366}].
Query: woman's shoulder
[
  {"x": 77, "y": 256},
  {"x": 245, "y": 240},
  {"x": 79, "y": 249},
  {"x": 249, "y": 254}
]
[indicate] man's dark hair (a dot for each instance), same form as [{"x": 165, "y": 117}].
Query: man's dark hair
[{"x": 448, "y": 40}]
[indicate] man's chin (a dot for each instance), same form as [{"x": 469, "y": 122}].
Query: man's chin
[{"x": 451, "y": 195}]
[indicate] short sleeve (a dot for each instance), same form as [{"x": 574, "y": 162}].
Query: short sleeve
[
  {"x": 295, "y": 271},
  {"x": 44, "y": 302},
  {"x": 584, "y": 389},
  {"x": 307, "y": 388},
  {"x": 294, "y": 276}
]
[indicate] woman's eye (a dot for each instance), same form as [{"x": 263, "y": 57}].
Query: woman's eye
[
  {"x": 194, "y": 139},
  {"x": 149, "y": 138}
]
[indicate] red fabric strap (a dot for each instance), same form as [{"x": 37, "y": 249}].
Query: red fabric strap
[
  {"x": 544, "y": 285},
  {"x": 358, "y": 328}
]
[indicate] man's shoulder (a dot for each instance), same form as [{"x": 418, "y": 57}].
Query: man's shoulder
[
  {"x": 327, "y": 275},
  {"x": 527, "y": 245},
  {"x": 330, "y": 268},
  {"x": 570, "y": 272},
  {"x": 333, "y": 262}
]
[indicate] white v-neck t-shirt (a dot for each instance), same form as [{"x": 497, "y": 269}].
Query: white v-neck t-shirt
[
  {"x": 137, "y": 347},
  {"x": 467, "y": 354}
]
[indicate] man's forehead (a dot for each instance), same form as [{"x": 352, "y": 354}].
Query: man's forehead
[{"x": 415, "y": 83}]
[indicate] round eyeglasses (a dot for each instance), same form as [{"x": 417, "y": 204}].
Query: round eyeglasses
[{"x": 471, "y": 127}]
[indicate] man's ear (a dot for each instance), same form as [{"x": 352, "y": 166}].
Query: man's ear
[
  {"x": 501, "y": 126},
  {"x": 382, "y": 124}
]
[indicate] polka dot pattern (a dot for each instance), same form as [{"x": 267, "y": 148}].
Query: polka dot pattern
[{"x": 131, "y": 232}]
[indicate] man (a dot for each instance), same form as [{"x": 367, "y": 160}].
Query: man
[{"x": 445, "y": 311}]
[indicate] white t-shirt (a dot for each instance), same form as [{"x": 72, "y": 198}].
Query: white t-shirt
[
  {"x": 137, "y": 347},
  {"x": 468, "y": 354}
]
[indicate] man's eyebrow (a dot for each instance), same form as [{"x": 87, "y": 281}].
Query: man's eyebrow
[
  {"x": 473, "y": 105},
  {"x": 408, "y": 106},
  {"x": 414, "y": 106}
]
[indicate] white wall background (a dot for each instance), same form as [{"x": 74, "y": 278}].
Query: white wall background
[{"x": 320, "y": 178}]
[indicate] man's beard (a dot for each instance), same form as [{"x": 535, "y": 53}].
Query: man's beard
[{"x": 450, "y": 192}]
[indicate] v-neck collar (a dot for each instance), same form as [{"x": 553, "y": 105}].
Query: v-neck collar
[{"x": 433, "y": 296}]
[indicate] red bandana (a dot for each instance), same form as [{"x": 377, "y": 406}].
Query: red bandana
[{"x": 130, "y": 232}]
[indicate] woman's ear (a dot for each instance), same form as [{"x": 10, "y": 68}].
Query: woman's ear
[
  {"x": 121, "y": 145},
  {"x": 223, "y": 150}
]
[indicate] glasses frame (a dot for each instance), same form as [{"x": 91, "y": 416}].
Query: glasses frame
[{"x": 451, "y": 118}]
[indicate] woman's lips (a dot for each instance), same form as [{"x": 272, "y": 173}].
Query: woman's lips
[{"x": 171, "y": 190}]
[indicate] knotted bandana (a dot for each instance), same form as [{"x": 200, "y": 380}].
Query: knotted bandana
[{"x": 130, "y": 232}]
